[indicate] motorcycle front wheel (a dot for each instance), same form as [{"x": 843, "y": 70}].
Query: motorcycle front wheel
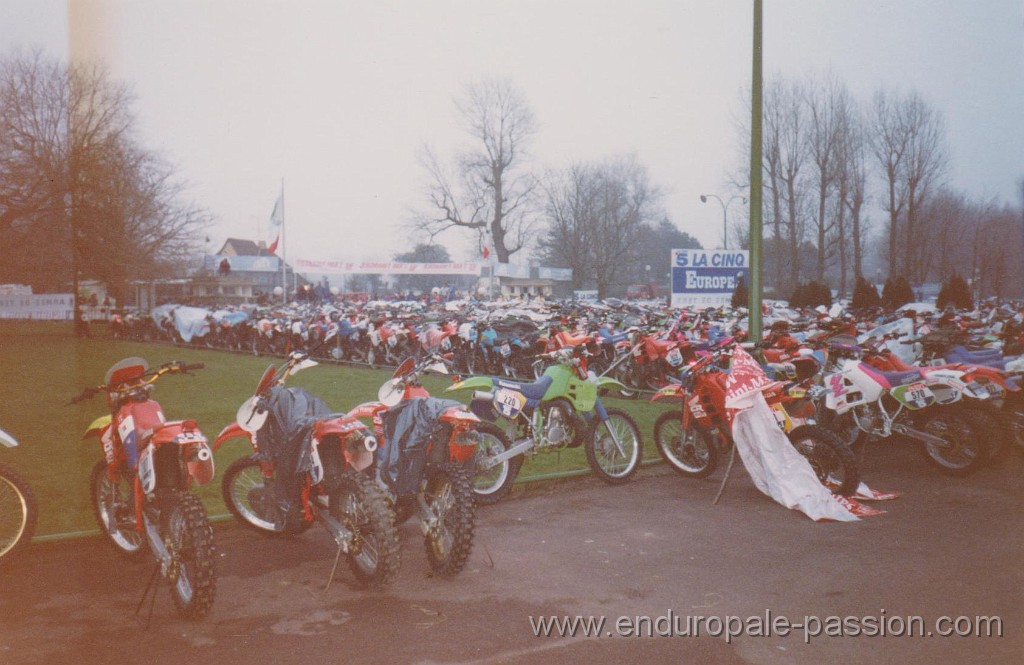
[
  {"x": 606, "y": 460},
  {"x": 190, "y": 541},
  {"x": 963, "y": 450},
  {"x": 18, "y": 514},
  {"x": 493, "y": 484},
  {"x": 832, "y": 460},
  {"x": 113, "y": 505},
  {"x": 691, "y": 452},
  {"x": 361, "y": 507},
  {"x": 251, "y": 498},
  {"x": 448, "y": 542}
]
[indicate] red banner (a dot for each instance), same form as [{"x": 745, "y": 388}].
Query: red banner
[{"x": 387, "y": 267}]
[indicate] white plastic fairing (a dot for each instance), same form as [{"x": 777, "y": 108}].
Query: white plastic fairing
[
  {"x": 390, "y": 393},
  {"x": 305, "y": 363},
  {"x": 7, "y": 440},
  {"x": 250, "y": 418}
]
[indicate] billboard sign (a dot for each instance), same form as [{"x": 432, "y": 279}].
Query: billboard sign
[{"x": 707, "y": 277}]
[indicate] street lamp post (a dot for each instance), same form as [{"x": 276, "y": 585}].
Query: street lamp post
[{"x": 725, "y": 213}]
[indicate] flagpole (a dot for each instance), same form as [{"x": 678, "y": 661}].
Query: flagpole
[{"x": 284, "y": 274}]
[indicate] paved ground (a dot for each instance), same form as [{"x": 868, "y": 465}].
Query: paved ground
[{"x": 948, "y": 547}]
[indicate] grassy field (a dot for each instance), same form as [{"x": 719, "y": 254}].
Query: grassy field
[{"x": 44, "y": 366}]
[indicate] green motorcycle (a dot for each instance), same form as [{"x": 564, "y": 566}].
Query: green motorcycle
[{"x": 561, "y": 409}]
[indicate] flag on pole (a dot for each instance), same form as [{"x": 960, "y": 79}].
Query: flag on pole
[
  {"x": 273, "y": 246},
  {"x": 277, "y": 217}
]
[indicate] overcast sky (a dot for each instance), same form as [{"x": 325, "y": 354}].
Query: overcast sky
[{"x": 336, "y": 97}]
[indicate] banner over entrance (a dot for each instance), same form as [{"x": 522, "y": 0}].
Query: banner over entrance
[
  {"x": 387, "y": 268},
  {"x": 707, "y": 277}
]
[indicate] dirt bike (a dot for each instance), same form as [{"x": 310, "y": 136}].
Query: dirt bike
[
  {"x": 690, "y": 439},
  {"x": 306, "y": 466},
  {"x": 18, "y": 509},
  {"x": 989, "y": 391},
  {"x": 140, "y": 490},
  {"x": 561, "y": 409},
  {"x": 424, "y": 443},
  {"x": 917, "y": 405}
]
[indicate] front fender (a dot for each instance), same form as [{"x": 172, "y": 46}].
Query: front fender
[
  {"x": 485, "y": 383},
  {"x": 232, "y": 431}
]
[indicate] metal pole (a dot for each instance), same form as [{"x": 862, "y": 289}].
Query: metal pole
[
  {"x": 284, "y": 273},
  {"x": 725, "y": 226},
  {"x": 756, "y": 111}
]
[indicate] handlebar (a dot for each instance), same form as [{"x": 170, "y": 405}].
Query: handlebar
[{"x": 173, "y": 367}]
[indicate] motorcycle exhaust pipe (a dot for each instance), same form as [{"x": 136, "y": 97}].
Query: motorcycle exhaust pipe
[{"x": 359, "y": 450}]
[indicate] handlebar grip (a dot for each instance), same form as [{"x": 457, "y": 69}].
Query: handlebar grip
[{"x": 188, "y": 368}]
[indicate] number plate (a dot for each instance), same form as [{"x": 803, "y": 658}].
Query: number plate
[
  {"x": 918, "y": 394},
  {"x": 674, "y": 357},
  {"x": 506, "y": 350},
  {"x": 509, "y": 402}
]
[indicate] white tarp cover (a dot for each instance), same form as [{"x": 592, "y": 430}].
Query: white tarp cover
[
  {"x": 776, "y": 467},
  {"x": 191, "y": 322}
]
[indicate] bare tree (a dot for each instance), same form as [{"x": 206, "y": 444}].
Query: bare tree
[
  {"x": 599, "y": 214},
  {"x": 490, "y": 192},
  {"x": 570, "y": 206},
  {"x": 827, "y": 107},
  {"x": 77, "y": 187},
  {"x": 889, "y": 145},
  {"x": 853, "y": 178}
]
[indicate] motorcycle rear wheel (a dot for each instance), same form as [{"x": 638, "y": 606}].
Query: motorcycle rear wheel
[
  {"x": 691, "y": 452},
  {"x": 189, "y": 537},
  {"x": 832, "y": 460},
  {"x": 964, "y": 451},
  {"x": 113, "y": 506},
  {"x": 603, "y": 455},
  {"x": 493, "y": 484},
  {"x": 361, "y": 506},
  {"x": 449, "y": 495},
  {"x": 18, "y": 514}
]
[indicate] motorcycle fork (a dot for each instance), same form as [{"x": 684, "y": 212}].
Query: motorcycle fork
[{"x": 603, "y": 415}]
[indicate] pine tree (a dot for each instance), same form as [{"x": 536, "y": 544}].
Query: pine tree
[
  {"x": 955, "y": 292},
  {"x": 865, "y": 295},
  {"x": 741, "y": 296}
]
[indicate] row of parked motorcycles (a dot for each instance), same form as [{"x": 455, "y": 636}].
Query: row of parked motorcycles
[
  {"x": 409, "y": 455},
  {"x": 360, "y": 474}
]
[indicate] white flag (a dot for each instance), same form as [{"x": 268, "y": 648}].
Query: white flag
[{"x": 277, "y": 217}]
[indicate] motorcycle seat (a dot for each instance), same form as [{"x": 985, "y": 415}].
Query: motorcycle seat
[
  {"x": 609, "y": 338},
  {"x": 532, "y": 391},
  {"x": 891, "y": 379},
  {"x": 988, "y": 357}
]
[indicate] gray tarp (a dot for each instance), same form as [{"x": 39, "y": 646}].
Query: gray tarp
[{"x": 408, "y": 427}]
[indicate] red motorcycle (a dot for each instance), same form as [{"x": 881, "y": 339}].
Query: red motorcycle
[
  {"x": 306, "y": 466},
  {"x": 140, "y": 489},
  {"x": 424, "y": 444},
  {"x": 690, "y": 439}
]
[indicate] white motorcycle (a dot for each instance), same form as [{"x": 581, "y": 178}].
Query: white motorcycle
[{"x": 914, "y": 404}]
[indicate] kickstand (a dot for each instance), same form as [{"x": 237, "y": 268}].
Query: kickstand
[
  {"x": 725, "y": 478},
  {"x": 334, "y": 569},
  {"x": 151, "y": 585}
]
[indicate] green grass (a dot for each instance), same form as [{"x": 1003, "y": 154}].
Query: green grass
[{"x": 44, "y": 366}]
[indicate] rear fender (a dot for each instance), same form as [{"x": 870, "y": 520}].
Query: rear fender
[
  {"x": 608, "y": 383},
  {"x": 367, "y": 410},
  {"x": 484, "y": 383},
  {"x": 672, "y": 391}
]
